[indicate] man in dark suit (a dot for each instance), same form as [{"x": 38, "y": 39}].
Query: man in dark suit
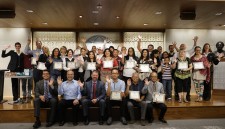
[
  {"x": 95, "y": 92},
  {"x": 15, "y": 65},
  {"x": 46, "y": 95}
]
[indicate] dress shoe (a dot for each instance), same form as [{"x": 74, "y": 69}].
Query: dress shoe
[
  {"x": 101, "y": 122},
  {"x": 49, "y": 124},
  {"x": 123, "y": 120},
  {"x": 37, "y": 124},
  {"x": 109, "y": 121},
  {"x": 75, "y": 123},
  {"x": 142, "y": 122},
  {"x": 86, "y": 121},
  {"x": 150, "y": 120},
  {"x": 162, "y": 120},
  {"x": 61, "y": 123}
]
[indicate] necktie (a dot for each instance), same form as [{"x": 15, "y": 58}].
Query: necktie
[
  {"x": 154, "y": 87},
  {"x": 94, "y": 90},
  {"x": 46, "y": 91}
]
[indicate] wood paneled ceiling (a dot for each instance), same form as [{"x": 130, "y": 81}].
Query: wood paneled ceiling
[{"x": 133, "y": 14}]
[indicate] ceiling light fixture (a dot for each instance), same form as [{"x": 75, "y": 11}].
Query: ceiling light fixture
[
  {"x": 95, "y": 12},
  {"x": 44, "y": 23},
  {"x": 96, "y": 24},
  {"x": 30, "y": 11},
  {"x": 158, "y": 13},
  {"x": 218, "y": 14},
  {"x": 99, "y": 6},
  {"x": 145, "y": 24},
  {"x": 80, "y": 16},
  {"x": 117, "y": 17}
]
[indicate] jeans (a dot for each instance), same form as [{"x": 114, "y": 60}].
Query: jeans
[
  {"x": 167, "y": 85},
  {"x": 29, "y": 86}
]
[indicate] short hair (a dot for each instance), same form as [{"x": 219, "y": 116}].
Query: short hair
[
  {"x": 46, "y": 70},
  {"x": 116, "y": 50},
  {"x": 70, "y": 71},
  {"x": 151, "y": 46},
  {"x": 95, "y": 71},
  {"x": 17, "y": 43},
  {"x": 170, "y": 46},
  {"x": 114, "y": 69},
  {"x": 135, "y": 73}
]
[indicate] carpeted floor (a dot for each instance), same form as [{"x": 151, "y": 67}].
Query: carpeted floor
[{"x": 172, "y": 124}]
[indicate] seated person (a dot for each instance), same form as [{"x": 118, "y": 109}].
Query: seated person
[
  {"x": 70, "y": 90},
  {"x": 95, "y": 92},
  {"x": 46, "y": 95},
  {"x": 149, "y": 88},
  {"x": 115, "y": 84},
  {"x": 135, "y": 84}
]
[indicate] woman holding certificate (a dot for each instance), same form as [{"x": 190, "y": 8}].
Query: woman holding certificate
[
  {"x": 200, "y": 73},
  {"x": 129, "y": 62},
  {"x": 54, "y": 63},
  {"x": 63, "y": 52},
  {"x": 89, "y": 66},
  {"x": 155, "y": 62},
  {"x": 144, "y": 65},
  {"x": 182, "y": 66},
  {"x": 106, "y": 63},
  {"x": 69, "y": 63}
]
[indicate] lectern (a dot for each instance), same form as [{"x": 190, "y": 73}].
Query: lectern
[{"x": 2, "y": 78}]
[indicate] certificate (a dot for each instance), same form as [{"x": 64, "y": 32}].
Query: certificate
[
  {"x": 182, "y": 65},
  {"x": 33, "y": 61},
  {"x": 144, "y": 68},
  {"x": 108, "y": 64},
  {"x": 130, "y": 64},
  {"x": 57, "y": 65},
  {"x": 158, "y": 98},
  {"x": 198, "y": 65},
  {"x": 91, "y": 65},
  {"x": 71, "y": 65},
  {"x": 115, "y": 95},
  {"x": 41, "y": 66},
  {"x": 77, "y": 52},
  {"x": 26, "y": 72},
  {"x": 134, "y": 95}
]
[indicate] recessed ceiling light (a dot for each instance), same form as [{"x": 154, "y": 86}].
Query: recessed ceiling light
[
  {"x": 96, "y": 24},
  {"x": 218, "y": 14},
  {"x": 99, "y": 6},
  {"x": 117, "y": 17},
  {"x": 30, "y": 11},
  {"x": 44, "y": 23},
  {"x": 95, "y": 12},
  {"x": 158, "y": 13},
  {"x": 145, "y": 24},
  {"x": 223, "y": 25},
  {"x": 80, "y": 16}
]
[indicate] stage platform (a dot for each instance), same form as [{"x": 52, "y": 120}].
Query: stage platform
[{"x": 215, "y": 108}]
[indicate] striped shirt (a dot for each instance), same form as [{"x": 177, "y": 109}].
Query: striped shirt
[{"x": 167, "y": 72}]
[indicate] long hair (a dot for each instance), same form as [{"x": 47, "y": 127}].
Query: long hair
[
  {"x": 111, "y": 55},
  {"x": 203, "y": 49},
  {"x": 88, "y": 59},
  {"x": 155, "y": 51},
  {"x": 147, "y": 58},
  {"x": 134, "y": 56},
  {"x": 53, "y": 53}
]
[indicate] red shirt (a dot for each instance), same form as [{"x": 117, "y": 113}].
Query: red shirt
[{"x": 27, "y": 61}]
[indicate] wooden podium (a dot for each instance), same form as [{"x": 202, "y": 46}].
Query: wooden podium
[{"x": 2, "y": 78}]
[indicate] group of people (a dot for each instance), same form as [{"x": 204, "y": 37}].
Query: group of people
[{"x": 90, "y": 78}]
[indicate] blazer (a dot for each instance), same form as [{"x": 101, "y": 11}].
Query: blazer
[
  {"x": 100, "y": 90},
  {"x": 39, "y": 89},
  {"x": 12, "y": 63}
]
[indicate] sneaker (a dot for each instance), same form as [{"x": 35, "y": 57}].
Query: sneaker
[
  {"x": 109, "y": 121},
  {"x": 123, "y": 120}
]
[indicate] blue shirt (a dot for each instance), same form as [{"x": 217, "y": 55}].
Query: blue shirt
[
  {"x": 45, "y": 85},
  {"x": 35, "y": 53},
  {"x": 116, "y": 86},
  {"x": 70, "y": 90}
]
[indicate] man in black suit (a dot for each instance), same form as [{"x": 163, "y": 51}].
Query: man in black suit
[
  {"x": 95, "y": 92},
  {"x": 15, "y": 65},
  {"x": 46, "y": 95}
]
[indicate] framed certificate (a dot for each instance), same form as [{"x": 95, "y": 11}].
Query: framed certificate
[
  {"x": 182, "y": 65},
  {"x": 144, "y": 68},
  {"x": 77, "y": 52},
  {"x": 158, "y": 98},
  {"x": 108, "y": 64},
  {"x": 57, "y": 65},
  {"x": 26, "y": 72},
  {"x": 71, "y": 65},
  {"x": 129, "y": 64},
  {"x": 134, "y": 95},
  {"x": 115, "y": 95},
  {"x": 33, "y": 61},
  {"x": 41, "y": 66},
  {"x": 91, "y": 65},
  {"x": 198, "y": 65}
]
